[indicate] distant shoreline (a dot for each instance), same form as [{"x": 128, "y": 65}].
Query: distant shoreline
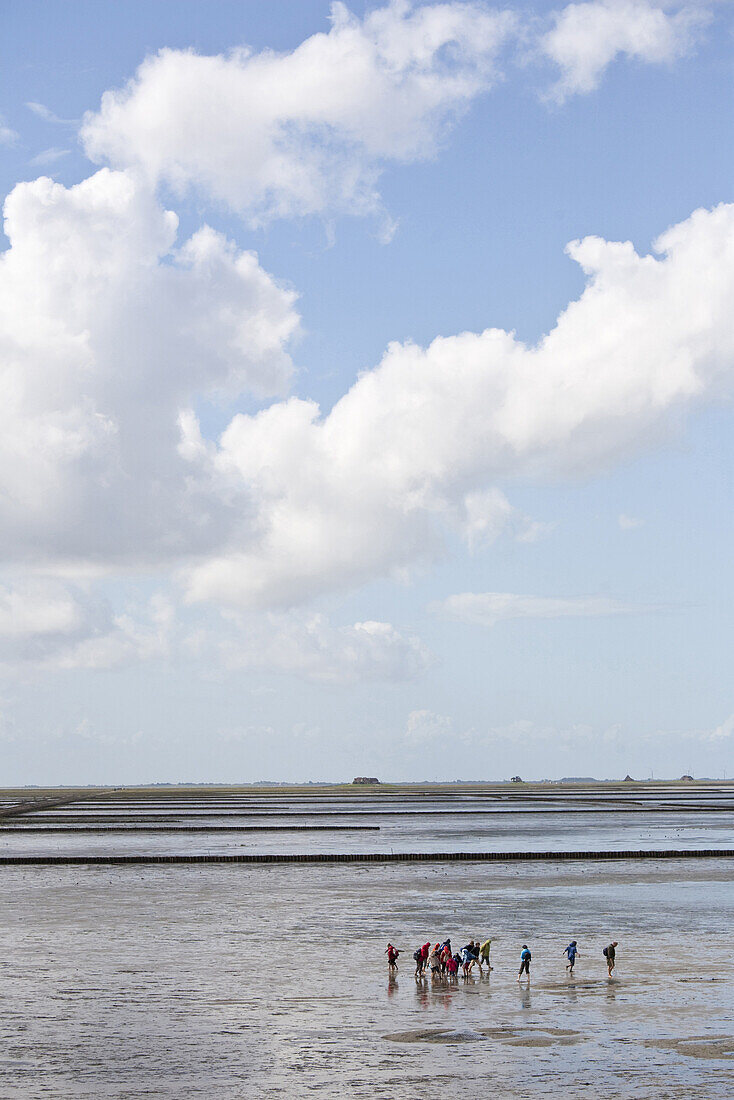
[{"x": 525, "y": 788}]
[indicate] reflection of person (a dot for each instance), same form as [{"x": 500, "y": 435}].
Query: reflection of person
[
  {"x": 525, "y": 958},
  {"x": 572, "y": 952},
  {"x": 611, "y": 955}
]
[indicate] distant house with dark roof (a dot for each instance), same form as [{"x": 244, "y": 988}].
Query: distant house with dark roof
[{"x": 365, "y": 779}]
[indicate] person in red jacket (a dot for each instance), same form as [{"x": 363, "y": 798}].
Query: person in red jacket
[{"x": 392, "y": 957}]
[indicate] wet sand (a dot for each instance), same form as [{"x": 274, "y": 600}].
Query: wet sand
[{"x": 236, "y": 981}]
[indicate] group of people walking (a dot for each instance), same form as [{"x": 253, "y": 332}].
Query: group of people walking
[
  {"x": 441, "y": 960},
  {"x": 444, "y": 962}
]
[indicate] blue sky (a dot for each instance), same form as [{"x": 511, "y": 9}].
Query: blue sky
[{"x": 271, "y": 597}]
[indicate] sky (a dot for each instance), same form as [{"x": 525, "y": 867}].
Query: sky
[{"x": 367, "y": 382}]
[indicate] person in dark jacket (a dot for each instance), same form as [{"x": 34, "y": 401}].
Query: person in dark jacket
[{"x": 611, "y": 955}]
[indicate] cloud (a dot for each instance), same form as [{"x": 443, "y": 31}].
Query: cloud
[
  {"x": 488, "y": 608},
  {"x": 310, "y": 647},
  {"x": 487, "y": 515},
  {"x": 526, "y": 732},
  {"x": 305, "y": 132},
  {"x": 49, "y": 156},
  {"x": 629, "y": 523},
  {"x": 424, "y": 727},
  {"x": 428, "y": 730},
  {"x": 371, "y": 488},
  {"x": 586, "y": 38},
  {"x": 49, "y": 625},
  {"x": 89, "y": 733},
  {"x": 109, "y": 331},
  {"x": 45, "y": 624},
  {"x": 108, "y": 352},
  {"x": 7, "y": 136},
  {"x": 724, "y": 732},
  {"x": 44, "y": 112}
]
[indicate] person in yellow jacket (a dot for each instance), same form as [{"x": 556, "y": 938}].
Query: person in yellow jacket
[{"x": 484, "y": 954}]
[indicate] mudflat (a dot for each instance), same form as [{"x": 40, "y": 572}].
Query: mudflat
[{"x": 232, "y": 981}]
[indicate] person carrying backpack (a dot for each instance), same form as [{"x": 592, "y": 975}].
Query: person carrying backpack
[
  {"x": 610, "y": 954},
  {"x": 525, "y": 958},
  {"x": 392, "y": 957}
]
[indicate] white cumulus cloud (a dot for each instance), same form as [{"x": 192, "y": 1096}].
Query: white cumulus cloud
[
  {"x": 368, "y": 489},
  {"x": 724, "y": 732},
  {"x": 587, "y": 37},
  {"x": 282, "y": 134},
  {"x": 46, "y": 624},
  {"x": 109, "y": 330},
  {"x": 309, "y": 646}
]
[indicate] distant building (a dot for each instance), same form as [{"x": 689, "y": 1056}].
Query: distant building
[
  {"x": 687, "y": 778},
  {"x": 365, "y": 779},
  {"x": 628, "y": 779},
  {"x": 516, "y": 779}
]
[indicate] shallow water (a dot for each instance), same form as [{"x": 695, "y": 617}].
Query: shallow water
[
  {"x": 564, "y": 821},
  {"x": 236, "y": 981}
]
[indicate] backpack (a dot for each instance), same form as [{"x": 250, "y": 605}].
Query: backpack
[
  {"x": 604, "y": 952},
  {"x": 418, "y": 955}
]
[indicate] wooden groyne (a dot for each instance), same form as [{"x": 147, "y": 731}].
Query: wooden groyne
[
  {"x": 371, "y": 857},
  {"x": 32, "y": 829},
  {"x": 29, "y": 806}
]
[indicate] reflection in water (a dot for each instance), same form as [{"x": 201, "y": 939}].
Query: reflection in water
[
  {"x": 525, "y": 1001},
  {"x": 392, "y": 986}
]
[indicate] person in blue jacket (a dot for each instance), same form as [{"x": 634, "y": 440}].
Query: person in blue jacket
[
  {"x": 525, "y": 958},
  {"x": 572, "y": 952}
]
